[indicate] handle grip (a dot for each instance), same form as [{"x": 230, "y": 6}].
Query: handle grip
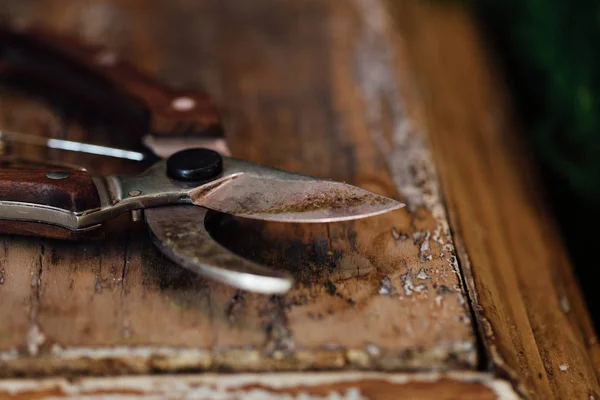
[
  {"x": 72, "y": 191},
  {"x": 104, "y": 81}
]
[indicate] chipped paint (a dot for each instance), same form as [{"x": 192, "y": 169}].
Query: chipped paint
[
  {"x": 408, "y": 156},
  {"x": 563, "y": 367},
  {"x": 34, "y": 339},
  {"x": 424, "y": 249},
  {"x": 385, "y": 287},
  {"x": 407, "y": 284},
  {"x": 423, "y": 275},
  {"x": 358, "y": 358},
  {"x": 372, "y": 350},
  {"x": 247, "y": 386},
  {"x": 438, "y": 300},
  {"x": 9, "y": 355},
  {"x": 145, "y": 359},
  {"x": 420, "y": 288},
  {"x": 145, "y": 355}
]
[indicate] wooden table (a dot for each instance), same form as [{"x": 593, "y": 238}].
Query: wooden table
[{"x": 467, "y": 291}]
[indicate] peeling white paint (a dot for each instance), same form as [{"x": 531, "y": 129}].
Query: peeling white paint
[
  {"x": 409, "y": 158},
  {"x": 416, "y": 235},
  {"x": 373, "y": 350},
  {"x": 34, "y": 339},
  {"x": 407, "y": 285},
  {"x": 402, "y": 142},
  {"x": 235, "y": 386},
  {"x": 424, "y": 249},
  {"x": 385, "y": 287},
  {"x": 420, "y": 288},
  {"x": 144, "y": 352},
  {"x": 9, "y": 355},
  {"x": 423, "y": 275},
  {"x": 100, "y": 353}
]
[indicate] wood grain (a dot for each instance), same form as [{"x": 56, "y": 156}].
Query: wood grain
[
  {"x": 529, "y": 310},
  {"x": 353, "y": 91},
  {"x": 295, "y": 83}
]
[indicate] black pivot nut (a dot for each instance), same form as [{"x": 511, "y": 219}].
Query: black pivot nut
[{"x": 194, "y": 165}]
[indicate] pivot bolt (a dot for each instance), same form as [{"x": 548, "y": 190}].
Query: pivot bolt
[{"x": 194, "y": 165}]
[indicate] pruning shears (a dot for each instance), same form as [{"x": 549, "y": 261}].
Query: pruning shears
[{"x": 176, "y": 193}]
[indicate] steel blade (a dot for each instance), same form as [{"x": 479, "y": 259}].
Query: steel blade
[
  {"x": 270, "y": 194},
  {"x": 69, "y": 145},
  {"x": 180, "y": 233}
]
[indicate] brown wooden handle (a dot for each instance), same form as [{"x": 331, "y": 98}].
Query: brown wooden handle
[
  {"x": 68, "y": 190},
  {"x": 98, "y": 77},
  {"x": 44, "y": 184}
]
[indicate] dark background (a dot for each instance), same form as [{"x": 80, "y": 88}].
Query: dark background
[{"x": 550, "y": 54}]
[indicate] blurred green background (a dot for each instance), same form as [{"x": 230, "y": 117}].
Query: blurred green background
[{"x": 550, "y": 53}]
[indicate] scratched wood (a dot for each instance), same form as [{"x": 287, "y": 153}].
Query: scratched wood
[
  {"x": 345, "y": 385},
  {"x": 534, "y": 325},
  {"x": 305, "y": 86}
]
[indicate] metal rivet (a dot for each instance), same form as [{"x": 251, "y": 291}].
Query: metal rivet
[
  {"x": 57, "y": 174},
  {"x": 183, "y": 103},
  {"x": 134, "y": 193}
]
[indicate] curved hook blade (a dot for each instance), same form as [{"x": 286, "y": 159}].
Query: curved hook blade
[{"x": 180, "y": 233}]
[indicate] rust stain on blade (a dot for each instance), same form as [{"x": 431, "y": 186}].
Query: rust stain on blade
[{"x": 288, "y": 200}]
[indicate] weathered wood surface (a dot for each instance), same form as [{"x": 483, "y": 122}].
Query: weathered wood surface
[
  {"x": 306, "y": 86},
  {"x": 534, "y": 324},
  {"x": 338, "y": 89},
  {"x": 334, "y": 386}
]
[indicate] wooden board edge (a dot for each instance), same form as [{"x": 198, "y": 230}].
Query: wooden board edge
[
  {"x": 338, "y": 385},
  {"x": 147, "y": 359},
  {"x": 541, "y": 338}
]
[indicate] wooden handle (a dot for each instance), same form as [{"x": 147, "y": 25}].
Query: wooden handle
[
  {"x": 99, "y": 77},
  {"x": 68, "y": 190},
  {"x": 71, "y": 190}
]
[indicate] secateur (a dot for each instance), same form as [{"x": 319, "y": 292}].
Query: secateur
[{"x": 191, "y": 174}]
